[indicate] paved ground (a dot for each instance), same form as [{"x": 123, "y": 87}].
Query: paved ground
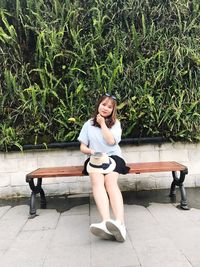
[{"x": 159, "y": 235}]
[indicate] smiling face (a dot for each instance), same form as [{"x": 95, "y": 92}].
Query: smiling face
[{"x": 105, "y": 108}]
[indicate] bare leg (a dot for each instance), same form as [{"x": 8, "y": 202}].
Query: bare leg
[
  {"x": 115, "y": 195},
  {"x": 100, "y": 195}
]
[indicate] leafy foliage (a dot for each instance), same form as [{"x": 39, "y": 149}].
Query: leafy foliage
[{"x": 58, "y": 56}]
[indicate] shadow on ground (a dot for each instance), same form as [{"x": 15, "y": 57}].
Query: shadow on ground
[
  {"x": 143, "y": 198},
  {"x": 60, "y": 203}
]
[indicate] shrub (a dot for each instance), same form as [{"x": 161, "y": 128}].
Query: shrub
[{"x": 58, "y": 56}]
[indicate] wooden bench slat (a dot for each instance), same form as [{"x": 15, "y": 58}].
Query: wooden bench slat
[
  {"x": 156, "y": 167},
  {"x": 134, "y": 168},
  {"x": 56, "y": 172}
]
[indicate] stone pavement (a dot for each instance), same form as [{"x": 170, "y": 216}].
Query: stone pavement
[{"x": 160, "y": 235}]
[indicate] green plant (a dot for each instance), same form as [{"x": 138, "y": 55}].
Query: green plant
[{"x": 58, "y": 56}]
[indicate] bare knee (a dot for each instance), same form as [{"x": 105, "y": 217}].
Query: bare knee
[
  {"x": 97, "y": 180},
  {"x": 111, "y": 182}
]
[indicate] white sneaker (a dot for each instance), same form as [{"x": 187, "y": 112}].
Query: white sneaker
[
  {"x": 100, "y": 230},
  {"x": 117, "y": 229}
]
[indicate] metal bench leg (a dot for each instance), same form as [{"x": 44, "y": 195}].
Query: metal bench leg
[
  {"x": 178, "y": 181},
  {"x": 172, "y": 190},
  {"x": 32, "y": 206},
  {"x": 43, "y": 203},
  {"x": 36, "y": 189},
  {"x": 184, "y": 204}
]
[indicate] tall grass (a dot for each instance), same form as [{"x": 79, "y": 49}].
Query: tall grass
[{"x": 58, "y": 56}]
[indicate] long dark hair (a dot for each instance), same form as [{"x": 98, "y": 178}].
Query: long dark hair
[{"x": 110, "y": 120}]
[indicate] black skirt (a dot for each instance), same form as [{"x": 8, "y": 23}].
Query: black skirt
[{"x": 120, "y": 165}]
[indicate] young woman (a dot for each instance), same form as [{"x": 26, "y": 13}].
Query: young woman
[{"x": 102, "y": 133}]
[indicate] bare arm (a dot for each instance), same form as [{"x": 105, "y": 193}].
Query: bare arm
[
  {"x": 86, "y": 150},
  {"x": 107, "y": 135}
]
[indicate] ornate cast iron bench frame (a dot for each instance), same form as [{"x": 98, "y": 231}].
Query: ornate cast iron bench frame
[{"x": 178, "y": 173}]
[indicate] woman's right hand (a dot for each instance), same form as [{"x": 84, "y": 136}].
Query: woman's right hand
[{"x": 100, "y": 120}]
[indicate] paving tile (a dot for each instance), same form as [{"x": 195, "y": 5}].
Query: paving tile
[
  {"x": 136, "y": 216},
  {"x": 46, "y": 219},
  {"x": 18, "y": 211},
  {"x": 71, "y": 230},
  {"x": 11, "y": 224},
  {"x": 66, "y": 255},
  {"x": 112, "y": 253},
  {"x": 3, "y": 210},
  {"x": 159, "y": 252},
  {"x": 180, "y": 229},
  {"x": 188, "y": 242},
  {"x": 70, "y": 245},
  {"x": 28, "y": 249},
  {"x": 193, "y": 215},
  {"x": 169, "y": 216},
  {"x": 150, "y": 241},
  {"x": 79, "y": 210}
]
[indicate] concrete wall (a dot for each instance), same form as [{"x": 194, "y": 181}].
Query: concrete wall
[{"x": 15, "y": 165}]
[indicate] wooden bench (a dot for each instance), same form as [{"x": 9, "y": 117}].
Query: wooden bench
[{"x": 178, "y": 173}]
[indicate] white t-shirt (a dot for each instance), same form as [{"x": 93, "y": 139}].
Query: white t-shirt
[{"x": 92, "y": 137}]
